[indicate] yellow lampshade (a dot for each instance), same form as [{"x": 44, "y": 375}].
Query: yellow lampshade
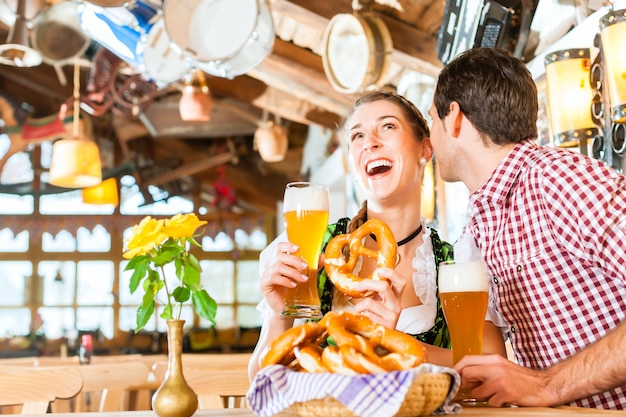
[
  {"x": 75, "y": 164},
  {"x": 569, "y": 96},
  {"x": 103, "y": 193},
  {"x": 612, "y": 34}
]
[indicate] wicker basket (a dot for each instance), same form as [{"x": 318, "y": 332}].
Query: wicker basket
[{"x": 425, "y": 395}]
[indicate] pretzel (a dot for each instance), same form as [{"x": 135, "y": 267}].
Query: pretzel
[
  {"x": 360, "y": 346},
  {"x": 348, "y": 329},
  {"x": 282, "y": 349},
  {"x": 341, "y": 272}
]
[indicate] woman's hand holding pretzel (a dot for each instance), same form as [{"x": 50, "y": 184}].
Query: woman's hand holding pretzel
[{"x": 383, "y": 304}]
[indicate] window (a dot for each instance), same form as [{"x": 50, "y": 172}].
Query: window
[{"x": 64, "y": 265}]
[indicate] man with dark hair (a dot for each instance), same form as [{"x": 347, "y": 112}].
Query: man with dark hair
[{"x": 550, "y": 224}]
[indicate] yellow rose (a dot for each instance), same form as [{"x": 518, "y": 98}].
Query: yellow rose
[
  {"x": 182, "y": 225},
  {"x": 145, "y": 236}
]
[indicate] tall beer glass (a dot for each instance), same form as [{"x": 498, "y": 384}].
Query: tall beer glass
[
  {"x": 305, "y": 212},
  {"x": 464, "y": 293}
]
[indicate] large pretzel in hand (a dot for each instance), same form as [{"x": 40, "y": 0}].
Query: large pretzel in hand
[{"x": 341, "y": 272}]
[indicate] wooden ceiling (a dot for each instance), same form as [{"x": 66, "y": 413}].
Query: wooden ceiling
[{"x": 289, "y": 83}]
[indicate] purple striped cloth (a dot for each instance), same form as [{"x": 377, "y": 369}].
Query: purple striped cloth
[{"x": 373, "y": 395}]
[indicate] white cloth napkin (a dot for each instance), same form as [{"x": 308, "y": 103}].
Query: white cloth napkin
[{"x": 369, "y": 395}]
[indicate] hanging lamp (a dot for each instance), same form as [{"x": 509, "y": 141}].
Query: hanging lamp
[
  {"x": 195, "y": 103},
  {"x": 103, "y": 193},
  {"x": 270, "y": 138},
  {"x": 75, "y": 162}
]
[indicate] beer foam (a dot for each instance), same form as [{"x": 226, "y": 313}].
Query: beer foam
[
  {"x": 306, "y": 198},
  {"x": 463, "y": 277}
]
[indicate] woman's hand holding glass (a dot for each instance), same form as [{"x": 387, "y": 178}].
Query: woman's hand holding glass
[{"x": 284, "y": 272}]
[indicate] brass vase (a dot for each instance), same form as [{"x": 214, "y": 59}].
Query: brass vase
[{"x": 174, "y": 398}]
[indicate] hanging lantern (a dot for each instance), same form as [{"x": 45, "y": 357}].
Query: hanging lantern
[
  {"x": 103, "y": 193},
  {"x": 612, "y": 34},
  {"x": 195, "y": 101},
  {"x": 569, "y": 97},
  {"x": 75, "y": 162}
]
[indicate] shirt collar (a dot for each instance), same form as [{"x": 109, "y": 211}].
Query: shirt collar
[{"x": 498, "y": 186}]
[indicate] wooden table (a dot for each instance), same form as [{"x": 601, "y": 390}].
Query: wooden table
[{"x": 244, "y": 412}]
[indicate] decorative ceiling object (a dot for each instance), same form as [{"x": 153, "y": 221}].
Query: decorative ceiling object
[
  {"x": 357, "y": 49},
  {"x": 17, "y": 50},
  {"x": 104, "y": 193},
  {"x": 195, "y": 103},
  {"x": 58, "y": 37},
  {"x": 270, "y": 139},
  {"x": 135, "y": 32},
  {"x": 227, "y": 38}
]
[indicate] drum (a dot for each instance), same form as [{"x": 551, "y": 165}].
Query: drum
[
  {"x": 357, "y": 50},
  {"x": 162, "y": 62},
  {"x": 57, "y": 34},
  {"x": 226, "y": 37},
  {"x": 136, "y": 34}
]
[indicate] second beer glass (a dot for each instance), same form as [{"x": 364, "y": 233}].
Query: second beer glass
[
  {"x": 305, "y": 212},
  {"x": 464, "y": 293}
]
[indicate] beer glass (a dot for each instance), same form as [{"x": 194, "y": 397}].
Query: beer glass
[
  {"x": 305, "y": 212},
  {"x": 464, "y": 293}
]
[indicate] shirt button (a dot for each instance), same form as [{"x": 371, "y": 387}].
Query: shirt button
[
  {"x": 519, "y": 268},
  {"x": 495, "y": 280},
  {"x": 513, "y": 329}
]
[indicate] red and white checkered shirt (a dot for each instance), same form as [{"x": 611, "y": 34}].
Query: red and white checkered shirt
[{"x": 551, "y": 225}]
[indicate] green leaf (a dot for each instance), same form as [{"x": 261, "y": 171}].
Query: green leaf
[
  {"x": 191, "y": 276},
  {"x": 145, "y": 311},
  {"x": 204, "y": 305},
  {"x": 193, "y": 261},
  {"x": 167, "y": 312},
  {"x": 136, "y": 262},
  {"x": 140, "y": 267},
  {"x": 166, "y": 254},
  {"x": 181, "y": 294}
]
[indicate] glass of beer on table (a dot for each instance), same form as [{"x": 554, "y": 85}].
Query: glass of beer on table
[
  {"x": 464, "y": 293},
  {"x": 305, "y": 212}
]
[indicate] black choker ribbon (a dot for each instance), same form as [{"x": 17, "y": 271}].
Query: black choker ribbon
[{"x": 406, "y": 239}]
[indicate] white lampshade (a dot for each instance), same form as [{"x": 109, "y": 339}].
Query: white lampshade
[{"x": 75, "y": 164}]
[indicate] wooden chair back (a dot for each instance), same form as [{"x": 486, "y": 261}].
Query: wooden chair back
[
  {"x": 35, "y": 388},
  {"x": 219, "y": 380},
  {"x": 106, "y": 385}
]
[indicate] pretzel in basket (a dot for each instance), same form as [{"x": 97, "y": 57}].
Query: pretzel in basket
[
  {"x": 341, "y": 272},
  {"x": 359, "y": 346}
]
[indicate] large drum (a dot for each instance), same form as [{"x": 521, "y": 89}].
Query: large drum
[
  {"x": 226, "y": 37},
  {"x": 136, "y": 33}
]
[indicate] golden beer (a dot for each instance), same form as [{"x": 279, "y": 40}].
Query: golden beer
[
  {"x": 464, "y": 294},
  {"x": 465, "y": 315},
  {"x": 305, "y": 212}
]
